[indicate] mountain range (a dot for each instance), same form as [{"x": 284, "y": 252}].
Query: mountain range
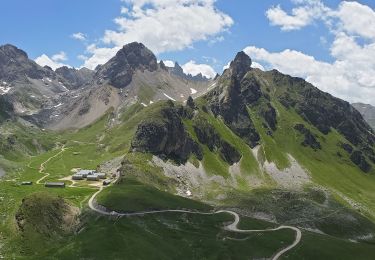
[{"x": 269, "y": 145}]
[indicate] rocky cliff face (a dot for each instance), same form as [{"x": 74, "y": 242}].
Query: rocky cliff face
[
  {"x": 15, "y": 64},
  {"x": 76, "y": 78},
  {"x": 230, "y": 99},
  {"x": 166, "y": 136},
  {"x": 119, "y": 70},
  {"x": 367, "y": 111}
]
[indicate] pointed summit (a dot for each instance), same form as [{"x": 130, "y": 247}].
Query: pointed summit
[
  {"x": 240, "y": 65},
  {"x": 120, "y": 69}
]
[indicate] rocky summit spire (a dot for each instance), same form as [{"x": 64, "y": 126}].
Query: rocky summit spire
[
  {"x": 240, "y": 65},
  {"x": 120, "y": 69}
]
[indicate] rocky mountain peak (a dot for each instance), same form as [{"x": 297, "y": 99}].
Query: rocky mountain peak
[
  {"x": 120, "y": 69},
  {"x": 15, "y": 64},
  {"x": 12, "y": 52},
  {"x": 241, "y": 64},
  {"x": 75, "y": 78}
]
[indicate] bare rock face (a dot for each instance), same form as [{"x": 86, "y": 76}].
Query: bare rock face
[
  {"x": 240, "y": 65},
  {"x": 76, "y": 78},
  {"x": 231, "y": 98},
  {"x": 309, "y": 139},
  {"x": 120, "y": 69},
  {"x": 166, "y": 136},
  {"x": 359, "y": 159},
  {"x": 208, "y": 135},
  {"x": 15, "y": 64}
]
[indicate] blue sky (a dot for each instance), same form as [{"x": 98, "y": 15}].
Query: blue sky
[{"x": 269, "y": 28}]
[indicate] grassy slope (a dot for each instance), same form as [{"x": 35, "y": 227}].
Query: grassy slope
[
  {"x": 116, "y": 142},
  {"x": 130, "y": 195},
  {"x": 169, "y": 236}
]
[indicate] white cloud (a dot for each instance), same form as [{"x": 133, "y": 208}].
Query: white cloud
[
  {"x": 61, "y": 56},
  {"x": 351, "y": 78},
  {"x": 99, "y": 55},
  {"x": 124, "y": 10},
  {"x": 168, "y": 63},
  {"x": 254, "y": 64},
  {"x": 53, "y": 62},
  {"x": 257, "y": 65},
  {"x": 194, "y": 69},
  {"x": 82, "y": 57},
  {"x": 163, "y": 25},
  {"x": 226, "y": 66},
  {"x": 79, "y": 36},
  {"x": 356, "y": 18},
  {"x": 351, "y": 75},
  {"x": 305, "y": 14}
]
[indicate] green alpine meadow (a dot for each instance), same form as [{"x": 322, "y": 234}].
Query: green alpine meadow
[{"x": 139, "y": 157}]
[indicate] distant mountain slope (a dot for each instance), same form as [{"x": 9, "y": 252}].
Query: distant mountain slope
[
  {"x": 367, "y": 111},
  {"x": 71, "y": 98},
  {"x": 29, "y": 90},
  {"x": 131, "y": 76}
]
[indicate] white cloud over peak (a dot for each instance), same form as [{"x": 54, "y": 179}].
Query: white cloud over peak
[
  {"x": 168, "y": 63},
  {"x": 61, "y": 56},
  {"x": 56, "y": 61},
  {"x": 98, "y": 56},
  {"x": 351, "y": 74},
  {"x": 194, "y": 69},
  {"x": 79, "y": 36},
  {"x": 163, "y": 25}
]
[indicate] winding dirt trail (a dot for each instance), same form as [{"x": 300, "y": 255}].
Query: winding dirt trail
[
  {"x": 43, "y": 165},
  {"x": 231, "y": 227}
]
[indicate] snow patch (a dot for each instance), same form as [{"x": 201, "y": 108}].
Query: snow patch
[
  {"x": 193, "y": 91},
  {"x": 213, "y": 85},
  {"x": 151, "y": 102},
  {"x": 58, "y": 105},
  {"x": 4, "y": 90},
  {"x": 143, "y": 104},
  {"x": 169, "y": 97},
  {"x": 48, "y": 79}
]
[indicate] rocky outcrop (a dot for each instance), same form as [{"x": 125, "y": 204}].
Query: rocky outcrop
[
  {"x": 240, "y": 65},
  {"x": 231, "y": 98},
  {"x": 119, "y": 70},
  {"x": 359, "y": 159},
  {"x": 228, "y": 153},
  {"x": 309, "y": 139},
  {"x": 347, "y": 147},
  {"x": 208, "y": 135},
  {"x": 76, "y": 78},
  {"x": 15, "y": 64},
  {"x": 269, "y": 115},
  {"x": 324, "y": 111},
  {"x": 165, "y": 136}
]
